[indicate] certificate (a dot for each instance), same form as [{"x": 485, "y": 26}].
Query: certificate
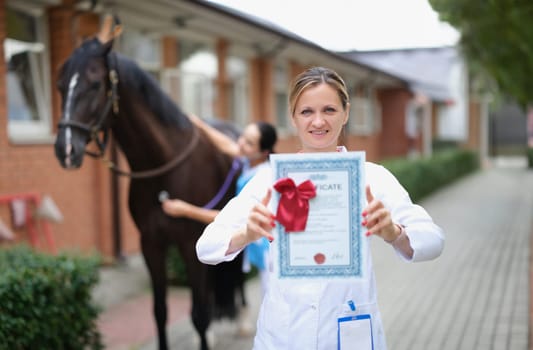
[{"x": 332, "y": 244}]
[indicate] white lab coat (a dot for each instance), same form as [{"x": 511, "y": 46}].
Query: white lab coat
[{"x": 302, "y": 314}]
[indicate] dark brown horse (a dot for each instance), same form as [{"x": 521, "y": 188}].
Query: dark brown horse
[{"x": 102, "y": 90}]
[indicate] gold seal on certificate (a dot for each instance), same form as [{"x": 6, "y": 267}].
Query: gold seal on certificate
[{"x": 332, "y": 243}]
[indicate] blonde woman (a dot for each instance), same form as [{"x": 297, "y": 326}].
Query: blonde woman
[{"x": 304, "y": 314}]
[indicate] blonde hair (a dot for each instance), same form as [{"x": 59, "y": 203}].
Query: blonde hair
[{"x": 313, "y": 77}]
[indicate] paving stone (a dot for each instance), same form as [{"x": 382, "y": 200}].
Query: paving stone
[{"x": 474, "y": 296}]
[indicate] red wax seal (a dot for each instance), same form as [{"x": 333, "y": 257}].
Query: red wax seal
[{"x": 320, "y": 258}]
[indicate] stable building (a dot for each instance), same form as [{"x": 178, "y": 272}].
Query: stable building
[{"x": 213, "y": 61}]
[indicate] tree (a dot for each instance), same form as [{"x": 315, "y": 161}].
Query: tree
[{"x": 496, "y": 39}]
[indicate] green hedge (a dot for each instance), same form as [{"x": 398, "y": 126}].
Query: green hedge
[
  {"x": 422, "y": 176},
  {"x": 176, "y": 273},
  {"x": 45, "y": 301}
]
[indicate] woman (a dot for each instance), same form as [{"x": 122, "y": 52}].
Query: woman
[
  {"x": 304, "y": 314},
  {"x": 253, "y": 147}
]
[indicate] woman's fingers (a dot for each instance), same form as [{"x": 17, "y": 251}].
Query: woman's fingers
[
  {"x": 372, "y": 203},
  {"x": 378, "y": 222},
  {"x": 266, "y": 198},
  {"x": 260, "y": 225},
  {"x": 262, "y": 208},
  {"x": 261, "y": 220},
  {"x": 374, "y": 216},
  {"x": 369, "y": 195}
]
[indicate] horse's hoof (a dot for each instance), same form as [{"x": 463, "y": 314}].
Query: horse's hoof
[
  {"x": 244, "y": 325},
  {"x": 211, "y": 338},
  {"x": 245, "y": 331}
]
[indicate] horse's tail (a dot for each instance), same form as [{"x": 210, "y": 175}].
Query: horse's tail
[{"x": 228, "y": 278}]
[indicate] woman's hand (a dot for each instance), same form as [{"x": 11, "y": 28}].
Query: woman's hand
[
  {"x": 377, "y": 219},
  {"x": 196, "y": 120},
  {"x": 260, "y": 223},
  {"x": 261, "y": 220},
  {"x": 175, "y": 207}
]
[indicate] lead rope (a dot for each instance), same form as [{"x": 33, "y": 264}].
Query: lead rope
[
  {"x": 160, "y": 170},
  {"x": 235, "y": 166}
]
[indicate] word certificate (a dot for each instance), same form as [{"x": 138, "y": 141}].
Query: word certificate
[{"x": 331, "y": 245}]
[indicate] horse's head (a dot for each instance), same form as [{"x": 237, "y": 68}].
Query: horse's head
[{"x": 87, "y": 83}]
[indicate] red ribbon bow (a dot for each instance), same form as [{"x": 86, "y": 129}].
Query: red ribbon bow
[{"x": 293, "y": 207}]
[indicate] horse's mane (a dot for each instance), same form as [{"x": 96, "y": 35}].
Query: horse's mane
[{"x": 157, "y": 100}]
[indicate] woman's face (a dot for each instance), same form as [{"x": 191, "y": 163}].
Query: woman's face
[
  {"x": 248, "y": 142},
  {"x": 318, "y": 118}
]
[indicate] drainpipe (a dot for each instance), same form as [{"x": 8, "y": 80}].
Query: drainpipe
[
  {"x": 115, "y": 207},
  {"x": 484, "y": 131},
  {"x": 427, "y": 149}
]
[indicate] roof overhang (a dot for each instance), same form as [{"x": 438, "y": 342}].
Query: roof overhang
[{"x": 248, "y": 35}]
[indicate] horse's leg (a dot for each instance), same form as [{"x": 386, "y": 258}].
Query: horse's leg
[
  {"x": 155, "y": 259},
  {"x": 197, "y": 275},
  {"x": 244, "y": 322},
  {"x": 241, "y": 280}
]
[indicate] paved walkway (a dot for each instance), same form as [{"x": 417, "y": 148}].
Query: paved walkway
[{"x": 475, "y": 296}]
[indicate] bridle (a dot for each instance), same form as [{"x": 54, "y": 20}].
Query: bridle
[{"x": 112, "y": 106}]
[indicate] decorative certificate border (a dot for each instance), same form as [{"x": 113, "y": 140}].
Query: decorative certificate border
[{"x": 351, "y": 164}]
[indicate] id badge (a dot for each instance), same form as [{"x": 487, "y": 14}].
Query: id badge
[{"x": 355, "y": 333}]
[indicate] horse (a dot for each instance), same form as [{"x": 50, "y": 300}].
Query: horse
[{"x": 105, "y": 92}]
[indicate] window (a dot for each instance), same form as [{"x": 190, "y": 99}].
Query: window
[
  {"x": 27, "y": 78},
  {"x": 191, "y": 91},
  {"x": 144, "y": 48},
  {"x": 365, "y": 113},
  {"x": 190, "y": 85},
  {"x": 198, "y": 68},
  {"x": 281, "y": 85}
]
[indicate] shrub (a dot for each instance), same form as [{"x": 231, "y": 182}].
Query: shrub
[
  {"x": 422, "y": 176},
  {"x": 176, "y": 273},
  {"x": 45, "y": 301},
  {"x": 443, "y": 145}
]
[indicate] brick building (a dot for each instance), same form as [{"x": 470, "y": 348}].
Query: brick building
[{"x": 213, "y": 61}]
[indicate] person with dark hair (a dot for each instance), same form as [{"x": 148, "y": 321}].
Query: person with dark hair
[
  {"x": 253, "y": 148},
  {"x": 326, "y": 313}
]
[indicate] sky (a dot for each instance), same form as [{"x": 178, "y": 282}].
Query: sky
[{"x": 342, "y": 25}]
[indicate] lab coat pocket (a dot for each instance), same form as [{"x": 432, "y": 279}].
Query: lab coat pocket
[{"x": 354, "y": 326}]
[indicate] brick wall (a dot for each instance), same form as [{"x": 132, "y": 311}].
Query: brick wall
[
  {"x": 3, "y": 101},
  {"x": 394, "y": 142},
  {"x": 370, "y": 144},
  {"x": 261, "y": 90},
  {"x": 82, "y": 195},
  {"x": 221, "y": 103},
  {"x": 474, "y": 111}
]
